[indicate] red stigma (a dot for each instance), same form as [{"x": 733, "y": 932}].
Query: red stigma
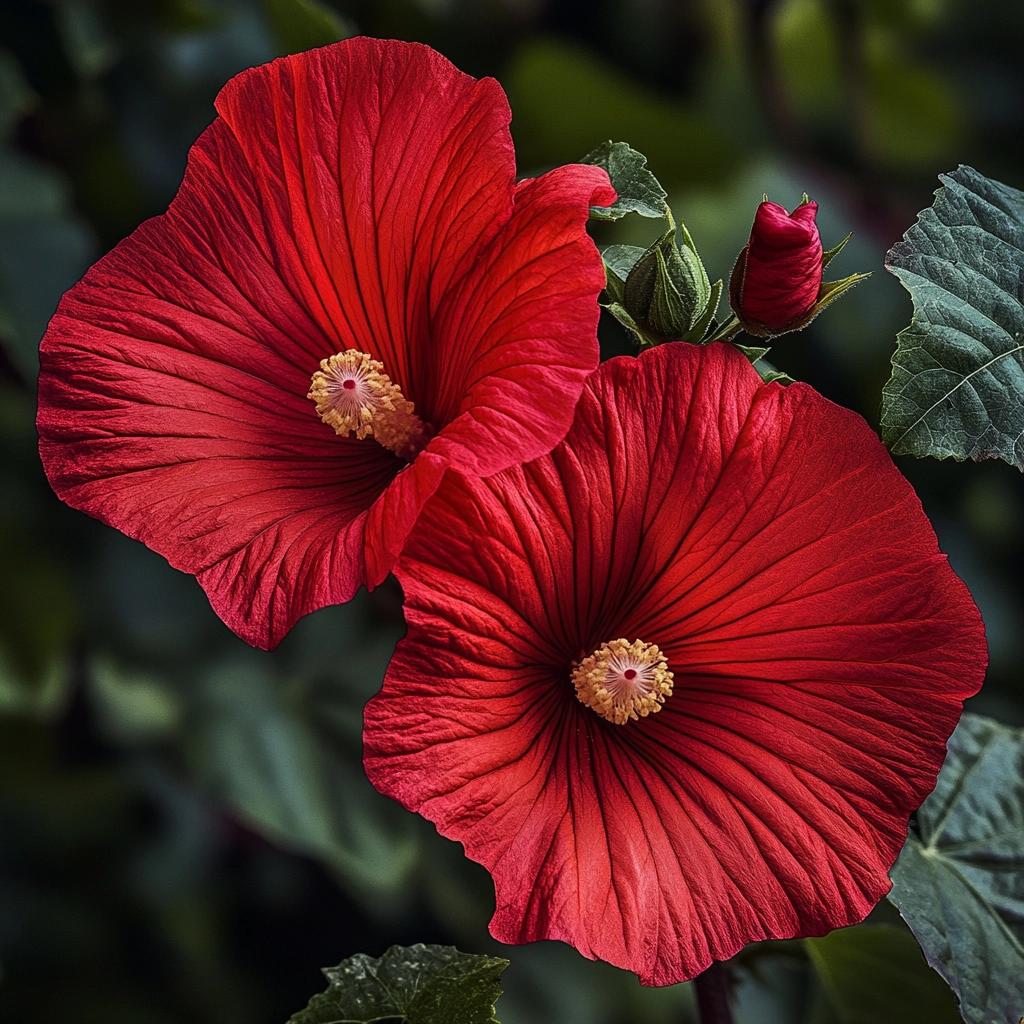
[
  {"x": 348, "y": 384},
  {"x": 630, "y": 673}
]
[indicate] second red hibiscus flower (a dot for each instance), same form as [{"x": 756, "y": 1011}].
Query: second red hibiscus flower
[{"x": 679, "y": 684}]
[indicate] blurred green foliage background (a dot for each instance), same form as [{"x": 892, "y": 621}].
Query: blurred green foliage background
[{"x": 185, "y": 831}]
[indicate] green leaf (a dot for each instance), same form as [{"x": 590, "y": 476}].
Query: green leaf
[
  {"x": 299, "y": 25},
  {"x": 902, "y": 987},
  {"x": 957, "y": 385},
  {"x": 285, "y": 757},
  {"x": 132, "y": 707},
  {"x": 88, "y": 42},
  {"x": 16, "y": 98},
  {"x": 639, "y": 191},
  {"x": 565, "y": 98},
  {"x": 415, "y": 985},
  {"x": 959, "y": 882},
  {"x": 619, "y": 260},
  {"x": 44, "y": 248},
  {"x": 38, "y": 696}
]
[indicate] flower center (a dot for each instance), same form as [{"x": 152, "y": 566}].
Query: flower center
[
  {"x": 623, "y": 680},
  {"x": 354, "y": 395}
]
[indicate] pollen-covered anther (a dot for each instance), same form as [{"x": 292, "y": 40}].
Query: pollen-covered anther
[
  {"x": 623, "y": 680},
  {"x": 354, "y": 395}
]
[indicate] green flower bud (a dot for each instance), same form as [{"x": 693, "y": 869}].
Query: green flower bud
[{"x": 667, "y": 292}]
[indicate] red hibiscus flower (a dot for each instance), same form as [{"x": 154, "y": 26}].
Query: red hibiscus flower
[
  {"x": 349, "y": 296},
  {"x": 679, "y": 683}
]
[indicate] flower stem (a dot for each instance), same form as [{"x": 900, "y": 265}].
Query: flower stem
[{"x": 712, "y": 988}]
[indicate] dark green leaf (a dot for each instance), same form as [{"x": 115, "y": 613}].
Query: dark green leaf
[
  {"x": 44, "y": 248},
  {"x": 40, "y": 695},
  {"x": 957, "y": 386},
  {"x": 132, "y": 707},
  {"x": 902, "y": 987},
  {"x": 415, "y": 985},
  {"x": 88, "y": 43},
  {"x": 16, "y": 98},
  {"x": 286, "y": 758},
  {"x": 619, "y": 260},
  {"x": 959, "y": 882},
  {"x": 638, "y": 190},
  {"x": 300, "y": 25}
]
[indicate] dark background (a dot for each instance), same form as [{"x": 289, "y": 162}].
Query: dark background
[{"x": 185, "y": 832}]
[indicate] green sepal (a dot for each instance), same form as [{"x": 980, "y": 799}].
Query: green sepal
[
  {"x": 753, "y": 352},
  {"x": 689, "y": 276},
  {"x": 622, "y": 314},
  {"x": 638, "y": 288},
  {"x": 830, "y": 291},
  {"x": 773, "y": 376},
  {"x": 830, "y": 254},
  {"x": 668, "y": 309},
  {"x": 707, "y": 323}
]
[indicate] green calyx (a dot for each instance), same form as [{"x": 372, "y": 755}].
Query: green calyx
[{"x": 665, "y": 294}]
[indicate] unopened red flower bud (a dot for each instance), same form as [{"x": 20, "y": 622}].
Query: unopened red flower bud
[{"x": 777, "y": 278}]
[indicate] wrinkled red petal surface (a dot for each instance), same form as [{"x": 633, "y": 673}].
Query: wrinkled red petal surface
[
  {"x": 520, "y": 328},
  {"x": 822, "y": 649},
  {"x": 357, "y": 196}
]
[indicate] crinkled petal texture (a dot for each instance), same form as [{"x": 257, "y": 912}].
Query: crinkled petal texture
[
  {"x": 357, "y": 196},
  {"x": 822, "y": 648}
]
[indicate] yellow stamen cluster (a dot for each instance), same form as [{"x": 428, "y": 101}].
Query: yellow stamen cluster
[
  {"x": 354, "y": 395},
  {"x": 623, "y": 680}
]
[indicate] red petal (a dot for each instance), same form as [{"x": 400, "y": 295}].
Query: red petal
[
  {"x": 172, "y": 406},
  {"x": 380, "y": 170},
  {"x": 822, "y": 648},
  {"x": 517, "y": 338},
  {"x": 782, "y": 270}
]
